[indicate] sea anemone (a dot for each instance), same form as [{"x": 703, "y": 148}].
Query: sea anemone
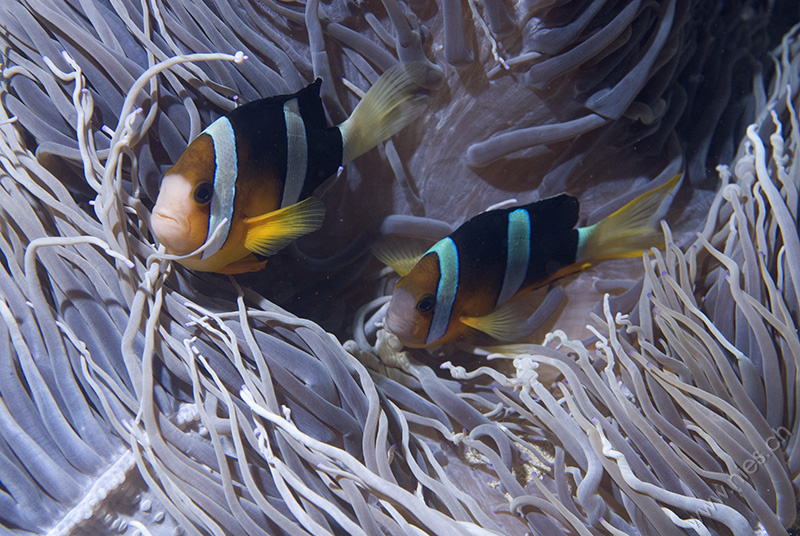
[{"x": 137, "y": 396}]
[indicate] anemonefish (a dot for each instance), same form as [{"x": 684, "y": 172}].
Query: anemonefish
[
  {"x": 479, "y": 277},
  {"x": 249, "y": 176}
]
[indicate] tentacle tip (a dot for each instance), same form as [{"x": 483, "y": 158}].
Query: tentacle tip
[{"x": 239, "y": 57}]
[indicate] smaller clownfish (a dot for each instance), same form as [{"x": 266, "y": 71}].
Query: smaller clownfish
[
  {"x": 249, "y": 175},
  {"x": 480, "y": 276}
]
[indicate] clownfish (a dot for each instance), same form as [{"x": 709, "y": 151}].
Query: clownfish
[
  {"x": 479, "y": 277},
  {"x": 250, "y": 174}
]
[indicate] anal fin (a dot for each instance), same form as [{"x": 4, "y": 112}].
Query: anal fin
[{"x": 242, "y": 266}]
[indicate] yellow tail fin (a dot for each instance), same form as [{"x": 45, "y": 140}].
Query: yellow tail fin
[
  {"x": 395, "y": 100},
  {"x": 630, "y": 230}
]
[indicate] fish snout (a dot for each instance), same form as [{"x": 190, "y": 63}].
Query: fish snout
[
  {"x": 173, "y": 232},
  {"x": 178, "y": 223},
  {"x": 404, "y": 322}
]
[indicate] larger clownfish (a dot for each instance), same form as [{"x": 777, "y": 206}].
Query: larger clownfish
[
  {"x": 250, "y": 174},
  {"x": 479, "y": 276}
]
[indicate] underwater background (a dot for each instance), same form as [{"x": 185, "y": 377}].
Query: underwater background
[{"x": 138, "y": 397}]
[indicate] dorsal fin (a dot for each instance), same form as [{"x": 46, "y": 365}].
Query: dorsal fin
[
  {"x": 559, "y": 213},
  {"x": 401, "y": 254}
]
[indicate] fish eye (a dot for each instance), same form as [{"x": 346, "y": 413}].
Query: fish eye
[
  {"x": 203, "y": 193},
  {"x": 426, "y": 304}
]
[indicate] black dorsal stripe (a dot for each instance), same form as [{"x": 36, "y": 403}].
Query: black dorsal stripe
[
  {"x": 325, "y": 147},
  {"x": 554, "y": 238},
  {"x": 482, "y": 244},
  {"x": 261, "y": 126},
  {"x": 557, "y": 213}
]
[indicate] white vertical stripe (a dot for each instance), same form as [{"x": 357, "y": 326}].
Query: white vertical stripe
[
  {"x": 225, "y": 173},
  {"x": 518, "y": 254},
  {"x": 446, "y": 291},
  {"x": 296, "y": 154}
]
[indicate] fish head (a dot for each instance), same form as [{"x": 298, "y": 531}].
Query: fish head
[
  {"x": 413, "y": 304},
  {"x": 180, "y": 215}
]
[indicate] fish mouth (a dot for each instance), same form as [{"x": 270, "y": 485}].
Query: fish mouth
[
  {"x": 172, "y": 233},
  {"x": 404, "y": 329},
  {"x": 161, "y": 215}
]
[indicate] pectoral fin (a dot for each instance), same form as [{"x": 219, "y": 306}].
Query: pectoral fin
[
  {"x": 506, "y": 323},
  {"x": 271, "y": 232},
  {"x": 519, "y": 317},
  {"x": 400, "y": 254}
]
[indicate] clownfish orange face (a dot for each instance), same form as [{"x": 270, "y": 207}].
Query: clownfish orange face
[
  {"x": 180, "y": 216},
  {"x": 419, "y": 311}
]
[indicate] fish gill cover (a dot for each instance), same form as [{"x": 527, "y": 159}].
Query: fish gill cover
[{"x": 138, "y": 397}]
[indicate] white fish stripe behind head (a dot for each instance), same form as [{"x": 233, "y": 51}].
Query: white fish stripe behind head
[
  {"x": 518, "y": 255},
  {"x": 446, "y": 291},
  {"x": 296, "y": 154},
  {"x": 225, "y": 173}
]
